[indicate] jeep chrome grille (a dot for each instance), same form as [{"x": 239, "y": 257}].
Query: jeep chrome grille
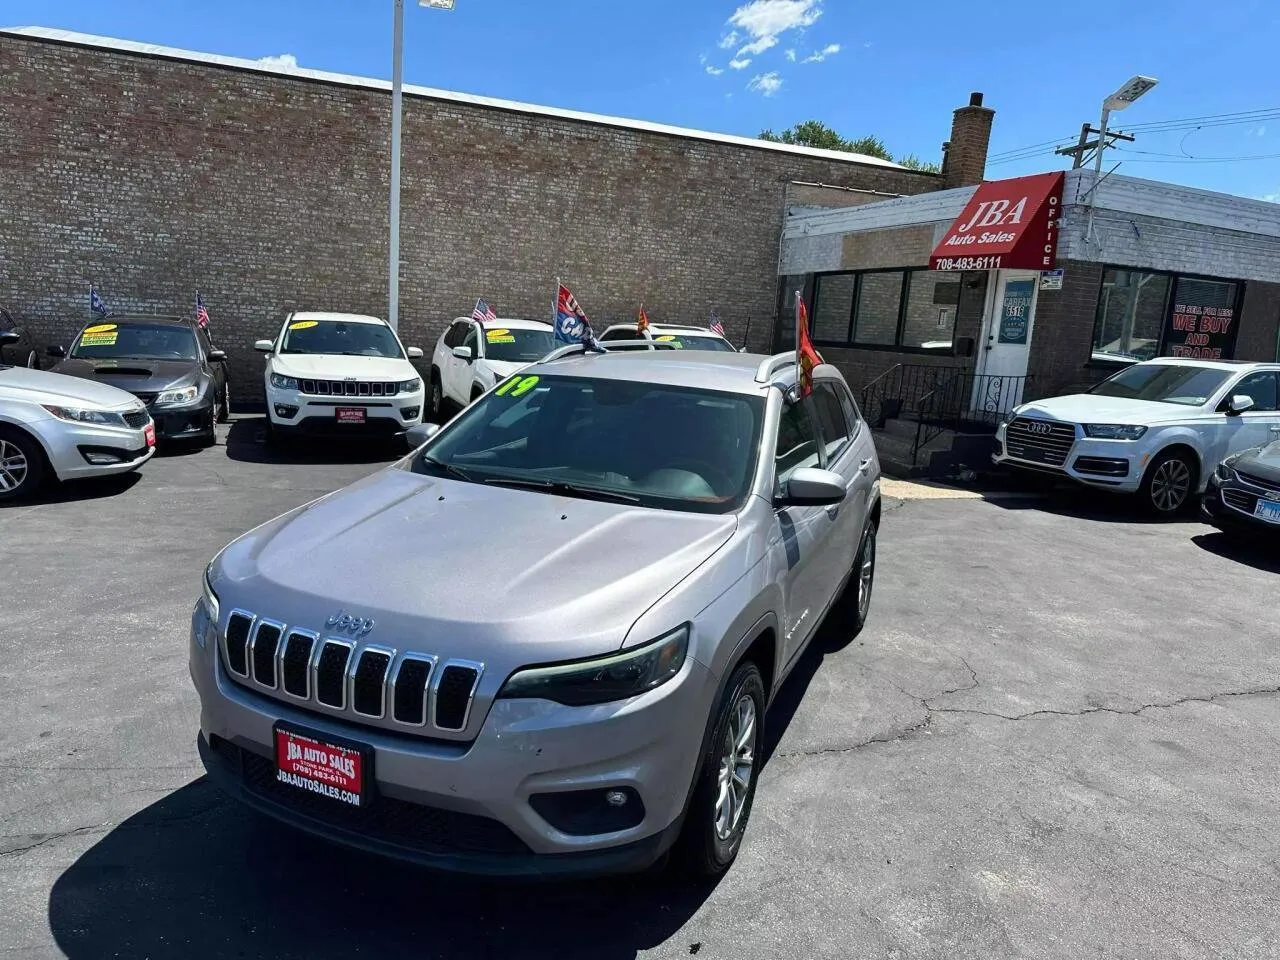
[
  {"x": 349, "y": 388},
  {"x": 338, "y": 675}
]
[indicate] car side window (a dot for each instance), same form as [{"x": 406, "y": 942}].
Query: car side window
[
  {"x": 851, "y": 412},
  {"x": 202, "y": 334},
  {"x": 454, "y": 337},
  {"x": 1262, "y": 387},
  {"x": 831, "y": 419},
  {"x": 797, "y": 441},
  {"x": 472, "y": 340},
  {"x": 6, "y": 322}
]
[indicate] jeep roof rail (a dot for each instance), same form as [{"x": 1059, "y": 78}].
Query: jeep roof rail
[{"x": 771, "y": 365}]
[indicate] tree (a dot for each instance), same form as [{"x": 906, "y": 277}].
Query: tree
[{"x": 815, "y": 133}]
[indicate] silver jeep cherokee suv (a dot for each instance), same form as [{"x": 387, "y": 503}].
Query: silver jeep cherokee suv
[{"x": 544, "y": 643}]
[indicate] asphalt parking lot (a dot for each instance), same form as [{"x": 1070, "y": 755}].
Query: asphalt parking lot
[{"x": 1056, "y": 738}]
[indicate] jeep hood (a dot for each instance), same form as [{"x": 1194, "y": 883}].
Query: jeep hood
[
  {"x": 466, "y": 570},
  {"x": 1091, "y": 408},
  {"x": 332, "y": 367}
]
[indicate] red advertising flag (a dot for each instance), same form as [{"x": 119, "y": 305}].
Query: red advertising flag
[
  {"x": 806, "y": 356},
  {"x": 642, "y": 320}
]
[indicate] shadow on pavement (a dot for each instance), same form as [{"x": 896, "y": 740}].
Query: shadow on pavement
[
  {"x": 68, "y": 491},
  {"x": 246, "y": 442},
  {"x": 1098, "y": 506},
  {"x": 1256, "y": 552},
  {"x": 196, "y": 876}
]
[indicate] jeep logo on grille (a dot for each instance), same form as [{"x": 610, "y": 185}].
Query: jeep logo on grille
[
  {"x": 1039, "y": 427},
  {"x": 343, "y": 622}
]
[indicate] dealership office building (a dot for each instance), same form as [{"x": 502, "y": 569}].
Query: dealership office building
[{"x": 1036, "y": 285}]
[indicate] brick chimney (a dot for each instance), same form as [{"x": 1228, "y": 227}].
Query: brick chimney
[{"x": 964, "y": 156}]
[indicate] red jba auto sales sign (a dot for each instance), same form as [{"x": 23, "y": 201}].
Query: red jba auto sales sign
[
  {"x": 318, "y": 766},
  {"x": 1007, "y": 225}
]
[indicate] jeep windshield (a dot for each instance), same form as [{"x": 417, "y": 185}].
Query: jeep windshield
[
  {"x": 655, "y": 445},
  {"x": 344, "y": 338},
  {"x": 135, "y": 341},
  {"x": 1164, "y": 383},
  {"x": 695, "y": 341},
  {"x": 512, "y": 345}
]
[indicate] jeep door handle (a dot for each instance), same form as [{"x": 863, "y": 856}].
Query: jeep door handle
[
  {"x": 833, "y": 511},
  {"x": 862, "y": 467}
]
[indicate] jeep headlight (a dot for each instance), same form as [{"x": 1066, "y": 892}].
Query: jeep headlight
[
  {"x": 1114, "y": 431},
  {"x": 170, "y": 398},
  {"x": 411, "y": 386},
  {"x": 206, "y": 611},
  {"x": 281, "y": 382},
  {"x": 85, "y": 415},
  {"x": 604, "y": 679}
]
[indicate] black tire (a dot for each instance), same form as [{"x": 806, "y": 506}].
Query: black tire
[
  {"x": 711, "y": 835},
  {"x": 862, "y": 579},
  {"x": 1169, "y": 485},
  {"x": 435, "y": 397},
  {"x": 21, "y": 464}
]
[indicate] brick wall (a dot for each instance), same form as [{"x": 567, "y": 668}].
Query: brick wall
[
  {"x": 1062, "y": 337},
  {"x": 153, "y": 176}
]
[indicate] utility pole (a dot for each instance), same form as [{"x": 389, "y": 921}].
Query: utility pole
[{"x": 1080, "y": 150}]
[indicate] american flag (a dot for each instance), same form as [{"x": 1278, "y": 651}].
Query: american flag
[
  {"x": 716, "y": 325},
  {"x": 483, "y": 313},
  {"x": 202, "y": 315}
]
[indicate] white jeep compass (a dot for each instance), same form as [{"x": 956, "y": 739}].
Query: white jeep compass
[
  {"x": 1157, "y": 428},
  {"x": 340, "y": 374}
]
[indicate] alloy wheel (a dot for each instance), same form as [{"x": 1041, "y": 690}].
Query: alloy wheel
[
  {"x": 1170, "y": 485},
  {"x": 13, "y": 466},
  {"x": 866, "y": 574},
  {"x": 737, "y": 760},
  {"x": 32, "y": 361}
]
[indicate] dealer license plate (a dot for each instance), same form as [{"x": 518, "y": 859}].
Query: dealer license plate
[
  {"x": 350, "y": 414},
  {"x": 150, "y": 434},
  {"x": 1268, "y": 510},
  {"x": 314, "y": 763}
]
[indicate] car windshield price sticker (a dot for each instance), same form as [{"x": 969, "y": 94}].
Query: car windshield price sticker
[
  {"x": 102, "y": 335},
  {"x": 304, "y": 324},
  {"x": 324, "y": 768},
  {"x": 1016, "y": 312},
  {"x": 517, "y": 386},
  {"x": 499, "y": 336}
]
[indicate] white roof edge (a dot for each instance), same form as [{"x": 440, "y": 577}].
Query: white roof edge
[{"x": 410, "y": 90}]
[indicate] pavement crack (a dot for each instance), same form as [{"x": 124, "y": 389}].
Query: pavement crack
[
  {"x": 1119, "y": 711},
  {"x": 21, "y": 843},
  {"x": 902, "y": 734}
]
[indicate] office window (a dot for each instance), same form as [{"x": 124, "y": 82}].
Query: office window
[
  {"x": 933, "y": 297},
  {"x": 1130, "y": 315},
  {"x": 879, "y": 305},
  {"x": 833, "y": 305}
]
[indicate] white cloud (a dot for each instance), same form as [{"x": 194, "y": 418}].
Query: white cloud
[
  {"x": 740, "y": 64},
  {"x": 766, "y": 84},
  {"x": 714, "y": 71},
  {"x": 759, "y": 46},
  {"x": 1271, "y": 197},
  {"x": 830, "y": 50},
  {"x": 286, "y": 60},
  {"x": 768, "y": 18},
  {"x": 791, "y": 55},
  {"x": 762, "y": 22}
]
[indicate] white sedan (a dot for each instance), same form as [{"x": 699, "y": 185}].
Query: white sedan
[
  {"x": 1158, "y": 429},
  {"x": 52, "y": 425}
]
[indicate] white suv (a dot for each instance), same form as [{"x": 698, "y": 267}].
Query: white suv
[
  {"x": 1157, "y": 428},
  {"x": 340, "y": 374},
  {"x": 680, "y": 337},
  {"x": 471, "y": 357}
]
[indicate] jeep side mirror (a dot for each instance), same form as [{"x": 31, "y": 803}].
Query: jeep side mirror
[
  {"x": 1239, "y": 404},
  {"x": 414, "y": 353},
  {"x": 264, "y": 346},
  {"x": 217, "y": 356},
  {"x": 420, "y": 433},
  {"x": 462, "y": 353},
  {"x": 811, "y": 487},
  {"x": 56, "y": 351}
]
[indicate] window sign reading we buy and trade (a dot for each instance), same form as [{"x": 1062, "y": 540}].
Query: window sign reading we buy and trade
[{"x": 1205, "y": 333}]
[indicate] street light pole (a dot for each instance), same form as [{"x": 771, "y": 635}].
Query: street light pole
[
  {"x": 1128, "y": 93},
  {"x": 397, "y": 96}
]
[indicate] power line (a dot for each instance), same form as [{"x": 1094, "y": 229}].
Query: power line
[{"x": 1181, "y": 159}]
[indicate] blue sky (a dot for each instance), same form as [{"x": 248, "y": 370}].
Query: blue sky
[{"x": 895, "y": 70}]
